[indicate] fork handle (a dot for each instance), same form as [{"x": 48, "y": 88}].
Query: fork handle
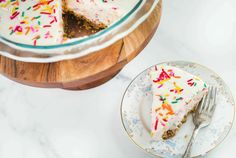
[{"x": 188, "y": 149}]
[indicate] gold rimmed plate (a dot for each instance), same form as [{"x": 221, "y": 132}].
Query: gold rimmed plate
[{"x": 136, "y": 116}]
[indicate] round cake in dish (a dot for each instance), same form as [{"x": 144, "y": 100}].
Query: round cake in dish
[{"x": 49, "y": 22}]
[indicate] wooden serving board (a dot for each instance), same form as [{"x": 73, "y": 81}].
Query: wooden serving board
[{"x": 88, "y": 71}]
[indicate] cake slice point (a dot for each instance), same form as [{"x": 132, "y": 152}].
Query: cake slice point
[{"x": 176, "y": 93}]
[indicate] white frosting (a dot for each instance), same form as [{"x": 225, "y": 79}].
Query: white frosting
[
  {"x": 24, "y": 21},
  {"x": 175, "y": 93},
  {"x": 35, "y": 22},
  {"x": 103, "y": 12}
]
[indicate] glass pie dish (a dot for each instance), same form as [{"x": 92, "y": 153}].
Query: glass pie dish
[{"x": 80, "y": 46}]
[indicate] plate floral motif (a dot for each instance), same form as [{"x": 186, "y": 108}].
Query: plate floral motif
[{"x": 136, "y": 117}]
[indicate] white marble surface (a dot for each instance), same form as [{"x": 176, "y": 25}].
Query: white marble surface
[{"x": 54, "y": 123}]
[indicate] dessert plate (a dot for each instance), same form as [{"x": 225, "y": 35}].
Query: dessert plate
[{"x": 136, "y": 116}]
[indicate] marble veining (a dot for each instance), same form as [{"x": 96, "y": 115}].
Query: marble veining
[{"x": 55, "y": 123}]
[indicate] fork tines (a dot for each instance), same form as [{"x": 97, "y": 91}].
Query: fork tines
[{"x": 208, "y": 102}]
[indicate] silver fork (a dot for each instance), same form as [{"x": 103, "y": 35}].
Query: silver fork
[{"x": 202, "y": 116}]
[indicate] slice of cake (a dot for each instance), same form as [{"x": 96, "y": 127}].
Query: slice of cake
[{"x": 176, "y": 93}]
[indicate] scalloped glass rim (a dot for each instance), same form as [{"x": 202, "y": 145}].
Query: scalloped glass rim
[
  {"x": 82, "y": 40},
  {"x": 101, "y": 40}
]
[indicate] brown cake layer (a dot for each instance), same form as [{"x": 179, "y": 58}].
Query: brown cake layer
[
  {"x": 77, "y": 27},
  {"x": 171, "y": 133}
]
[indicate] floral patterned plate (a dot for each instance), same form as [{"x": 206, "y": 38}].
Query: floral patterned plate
[{"x": 136, "y": 117}]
